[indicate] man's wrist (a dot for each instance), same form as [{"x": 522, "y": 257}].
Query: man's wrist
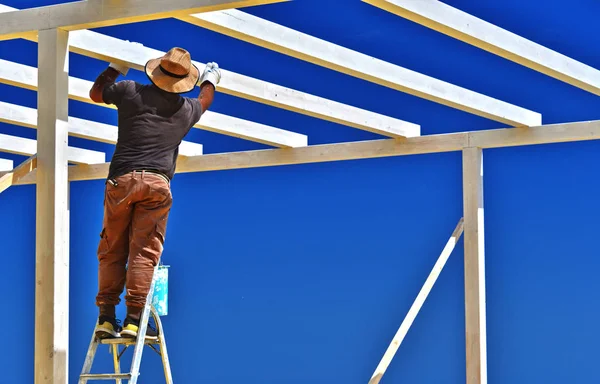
[
  {"x": 207, "y": 83},
  {"x": 109, "y": 75},
  {"x": 121, "y": 69},
  {"x": 112, "y": 72}
]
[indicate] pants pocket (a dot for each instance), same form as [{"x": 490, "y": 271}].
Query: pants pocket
[
  {"x": 103, "y": 243},
  {"x": 160, "y": 228},
  {"x": 157, "y": 241}
]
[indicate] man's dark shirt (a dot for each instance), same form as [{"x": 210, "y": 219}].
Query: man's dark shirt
[{"x": 152, "y": 124}]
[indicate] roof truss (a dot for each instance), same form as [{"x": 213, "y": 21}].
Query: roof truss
[
  {"x": 284, "y": 40},
  {"x": 134, "y": 55},
  {"x": 24, "y": 76}
]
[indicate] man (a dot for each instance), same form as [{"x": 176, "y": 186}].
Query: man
[{"x": 153, "y": 119}]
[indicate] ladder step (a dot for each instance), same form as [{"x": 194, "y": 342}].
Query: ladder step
[
  {"x": 106, "y": 376},
  {"x": 127, "y": 341}
]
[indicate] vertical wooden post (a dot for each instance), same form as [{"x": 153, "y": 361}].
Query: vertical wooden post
[
  {"x": 475, "y": 318},
  {"x": 52, "y": 211}
]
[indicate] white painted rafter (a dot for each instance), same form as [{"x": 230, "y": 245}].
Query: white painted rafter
[
  {"x": 24, "y": 76},
  {"x": 81, "y": 128},
  {"x": 290, "y": 42},
  {"x": 134, "y": 55},
  {"x": 482, "y": 34},
  {"x": 28, "y": 147}
]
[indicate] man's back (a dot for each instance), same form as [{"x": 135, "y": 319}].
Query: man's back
[{"x": 152, "y": 124}]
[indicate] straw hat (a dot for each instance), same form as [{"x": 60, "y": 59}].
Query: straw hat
[{"x": 174, "y": 72}]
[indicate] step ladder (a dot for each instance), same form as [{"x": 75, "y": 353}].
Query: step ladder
[{"x": 158, "y": 344}]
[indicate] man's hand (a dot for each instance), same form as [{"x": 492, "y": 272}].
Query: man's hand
[
  {"x": 212, "y": 74},
  {"x": 123, "y": 70}
]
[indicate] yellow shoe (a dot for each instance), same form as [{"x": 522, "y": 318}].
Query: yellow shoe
[
  {"x": 107, "y": 328},
  {"x": 131, "y": 327}
]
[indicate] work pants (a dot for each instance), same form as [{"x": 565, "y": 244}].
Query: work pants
[{"x": 136, "y": 210}]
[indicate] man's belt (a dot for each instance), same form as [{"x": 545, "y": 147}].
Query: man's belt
[{"x": 154, "y": 171}]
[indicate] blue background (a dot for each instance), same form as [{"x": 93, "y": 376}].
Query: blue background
[{"x": 302, "y": 274}]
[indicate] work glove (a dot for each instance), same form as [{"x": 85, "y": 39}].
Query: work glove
[
  {"x": 121, "y": 68},
  {"x": 211, "y": 74}
]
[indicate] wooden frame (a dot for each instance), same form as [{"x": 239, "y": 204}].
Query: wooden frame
[
  {"x": 48, "y": 167},
  {"x": 133, "y": 55}
]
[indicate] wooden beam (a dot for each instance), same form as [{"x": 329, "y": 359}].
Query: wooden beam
[
  {"x": 85, "y": 129},
  {"x": 6, "y": 165},
  {"x": 475, "y": 305},
  {"x": 479, "y": 33},
  {"x": 103, "y": 13},
  {"x": 52, "y": 212},
  {"x": 290, "y": 42},
  {"x": 18, "y": 173},
  {"x": 29, "y": 147},
  {"x": 24, "y": 76},
  {"x": 417, "y": 304},
  {"x": 134, "y": 55},
  {"x": 451, "y": 142}
]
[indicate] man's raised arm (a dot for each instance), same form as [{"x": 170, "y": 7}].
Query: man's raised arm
[{"x": 208, "y": 82}]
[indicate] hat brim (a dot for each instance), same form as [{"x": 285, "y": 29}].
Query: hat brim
[{"x": 169, "y": 83}]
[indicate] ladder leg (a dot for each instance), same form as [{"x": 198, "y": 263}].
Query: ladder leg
[
  {"x": 116, "y": 363},
  {"x": 163, "y": 347},
  {"x": 141, "y": 335},
  {"x": 89, "y": 357}
]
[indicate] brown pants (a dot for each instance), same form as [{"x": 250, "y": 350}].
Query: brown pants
[{"x": 134, "y": 227}]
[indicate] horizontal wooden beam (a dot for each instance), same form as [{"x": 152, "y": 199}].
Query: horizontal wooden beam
[
  {"x": 290, "y": 42},
  {"x": 6, "y": 165},
  {"x": 85, "y": 129},
  {"x": 103, "y": 13},
  {"x": 451, "y": 142},
  {"x": 135, "y": 55},
  {"x": 24, "y": 76},
  {"x": 18, "y": 173},
  {"x": 479, "y": 33},
  {"x": 28, "y": 147}
]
